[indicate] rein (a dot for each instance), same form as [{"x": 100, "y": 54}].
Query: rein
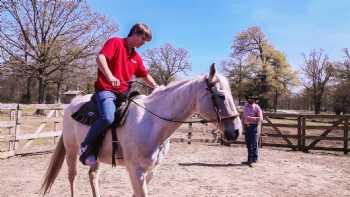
[
  {"x": 203, "y": 121},
  {"x": 134, "y": 81}
]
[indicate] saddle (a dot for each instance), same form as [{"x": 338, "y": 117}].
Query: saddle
[{"x": 88, "y": 113}]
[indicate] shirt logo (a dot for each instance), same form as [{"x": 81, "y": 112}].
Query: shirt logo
[{"x": 133, "y": 61}]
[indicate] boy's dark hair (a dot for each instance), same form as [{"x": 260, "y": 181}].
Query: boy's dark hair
[{"x": 141, "y": 29}]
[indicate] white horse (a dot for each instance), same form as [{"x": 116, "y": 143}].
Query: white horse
[{"x": 144, "y": 137}]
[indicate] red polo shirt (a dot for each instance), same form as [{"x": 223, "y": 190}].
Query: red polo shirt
[{"x": 122, "y": 66}]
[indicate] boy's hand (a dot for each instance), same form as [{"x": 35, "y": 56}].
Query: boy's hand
[{"x": 114, "y": 81}]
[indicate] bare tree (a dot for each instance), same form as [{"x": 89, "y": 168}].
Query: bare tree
[
  {"x": 166, "y": 62},
  {"x": 41, "y": 38},
  {"x": 345, "y": 67},
  {"x": 318, "y": 71}
]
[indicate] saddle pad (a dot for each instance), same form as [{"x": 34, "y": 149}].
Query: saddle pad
[{"x": 88, "y": 113}]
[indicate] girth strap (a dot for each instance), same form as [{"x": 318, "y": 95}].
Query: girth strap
[{"x": 114, "y": 143}]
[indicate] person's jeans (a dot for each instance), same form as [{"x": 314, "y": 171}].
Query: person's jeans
[
  {"x": 251, "y": 139},
  {"x": 106, "y": 104}
]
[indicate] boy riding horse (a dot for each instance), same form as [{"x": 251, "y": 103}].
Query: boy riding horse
[{"x": 117, "y": 62}]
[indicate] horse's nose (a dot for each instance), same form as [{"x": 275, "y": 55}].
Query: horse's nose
[{"x": 232, "y": 135}]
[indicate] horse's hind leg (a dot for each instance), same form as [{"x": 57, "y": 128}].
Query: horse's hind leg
[
  {"x": 93, "y": 176},
  {"x": 72, "y": 169}
]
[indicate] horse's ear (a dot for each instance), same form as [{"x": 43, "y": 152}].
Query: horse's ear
[{"x": 212, "y": 72}]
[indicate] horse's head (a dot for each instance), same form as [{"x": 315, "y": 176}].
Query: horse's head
[{"x": 215, "y": 102}]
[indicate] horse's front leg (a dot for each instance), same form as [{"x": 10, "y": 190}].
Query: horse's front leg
[
  {"x": 93, "y": 177},
  {"x": 137, "y": 176}
]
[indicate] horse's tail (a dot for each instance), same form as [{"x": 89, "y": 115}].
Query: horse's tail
[{"x": 54, "y": 168}]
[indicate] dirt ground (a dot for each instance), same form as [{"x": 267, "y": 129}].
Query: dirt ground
[{"x": 197, "y": 170}]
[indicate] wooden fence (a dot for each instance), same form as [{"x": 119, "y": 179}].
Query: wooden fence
[
  {"x": 296, "y": 131},
  {"x": 306, "y": 132},
  {"x": 19, "y": 129}
]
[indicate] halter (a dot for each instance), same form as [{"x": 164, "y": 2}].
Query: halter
[{"x": 210, "y": 86}]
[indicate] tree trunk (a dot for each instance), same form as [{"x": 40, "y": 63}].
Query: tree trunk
[
  {"x": 42, "y": 87},
  {"x": 41, "y": 96},
  {"x": 318, "y": 101},
  {"x": 28, "y": 96},
  {"x": 58, "y": 89},
  {"x": 317, "y": 107},
  {"x": 275, "y": 101}
]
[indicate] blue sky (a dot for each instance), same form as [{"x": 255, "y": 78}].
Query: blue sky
[{"x": 206, "y": 28}]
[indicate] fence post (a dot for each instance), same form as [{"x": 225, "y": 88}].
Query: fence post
[
  {"x": 303, "y": 134},
  {"x": 299, "y": 134},
  {"x": 13, "y": 113},
  {"x": 346, "y": 136},
  {"x": 17, "y": 126}
]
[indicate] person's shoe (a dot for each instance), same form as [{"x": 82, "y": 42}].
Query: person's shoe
[
  {"x": 87, "y": 158},
  {"x": 91, "y": 161}
]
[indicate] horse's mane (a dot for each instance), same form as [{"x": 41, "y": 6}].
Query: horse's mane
[{"x": 164, "y": 90}]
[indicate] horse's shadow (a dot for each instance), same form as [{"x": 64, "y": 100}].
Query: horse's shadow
[{"x": 212, "y": 164}]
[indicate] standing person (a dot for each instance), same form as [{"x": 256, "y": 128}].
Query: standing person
[
  {"x": 252, "y": 115},
  {"x": 117, "y": 62}
]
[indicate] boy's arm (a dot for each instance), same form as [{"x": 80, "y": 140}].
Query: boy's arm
[
  {"x": 150, "y": 81},
  {"x": 103, "y": 67}
]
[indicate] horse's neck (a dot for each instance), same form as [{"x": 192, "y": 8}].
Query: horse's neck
[{"x": 177, "y": 104}]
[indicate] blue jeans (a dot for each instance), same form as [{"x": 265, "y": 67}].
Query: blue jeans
[
  {"x": 106, "y": 104},
  {"x": 251, "y": 139}
]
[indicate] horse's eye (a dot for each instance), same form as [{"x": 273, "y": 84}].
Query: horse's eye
[{"x": 221, "y": 94}]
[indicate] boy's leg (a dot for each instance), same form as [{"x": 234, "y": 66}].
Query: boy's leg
[{"x": 106, "y": 107}]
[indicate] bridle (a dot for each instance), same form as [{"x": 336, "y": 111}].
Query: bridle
[{"x": 214, "y": 97}]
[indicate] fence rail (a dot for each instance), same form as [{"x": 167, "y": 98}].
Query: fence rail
[
  {"x": 295, "y": 131},
  {"x": 308, "y": 136},
  {"x": 14, "y": 128}
]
